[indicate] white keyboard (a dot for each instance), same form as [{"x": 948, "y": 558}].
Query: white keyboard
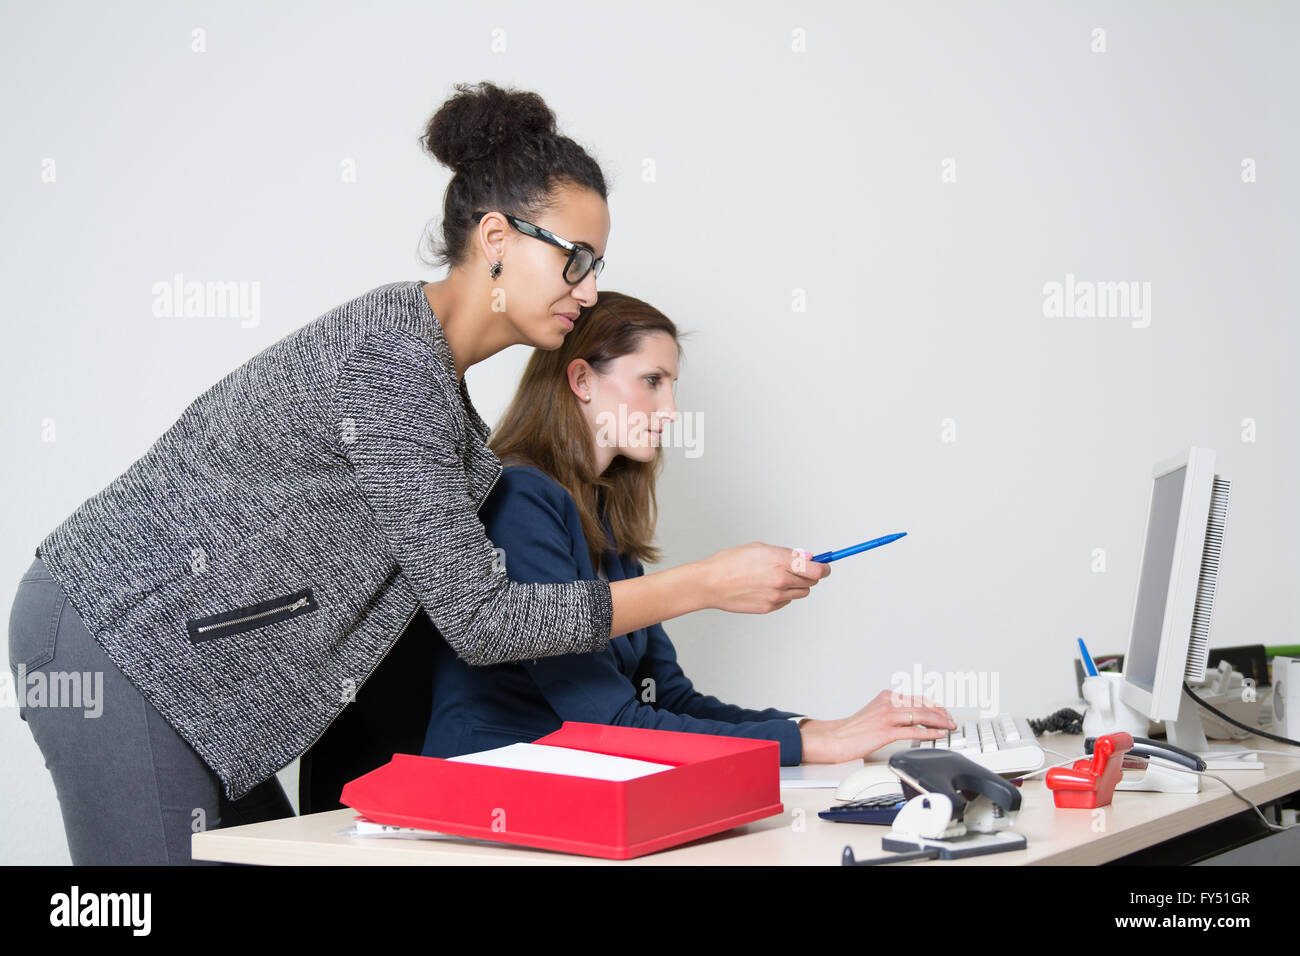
[{"x": 1003, "y": 744}]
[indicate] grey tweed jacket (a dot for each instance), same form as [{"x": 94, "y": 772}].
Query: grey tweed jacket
[{"x": 252, "y": 568}]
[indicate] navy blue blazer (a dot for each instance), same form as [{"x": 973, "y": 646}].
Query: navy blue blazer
[{"x": 634, "y": 682}]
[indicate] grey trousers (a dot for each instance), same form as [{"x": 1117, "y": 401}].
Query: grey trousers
[{"x": 131, "y": 790}]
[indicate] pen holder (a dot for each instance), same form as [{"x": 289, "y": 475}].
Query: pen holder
[{"x": 1106, "y": 712}]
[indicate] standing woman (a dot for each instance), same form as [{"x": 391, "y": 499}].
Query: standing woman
[{"x": 237, "y": 583}]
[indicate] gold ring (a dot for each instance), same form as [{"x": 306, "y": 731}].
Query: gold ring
[{"x": 911, "y": 718}]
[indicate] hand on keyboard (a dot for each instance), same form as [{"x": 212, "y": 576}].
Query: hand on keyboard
[{"x": 887, "y": 718}]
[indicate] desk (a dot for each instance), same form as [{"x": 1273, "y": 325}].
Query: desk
[{"x": 798, "y": 837}]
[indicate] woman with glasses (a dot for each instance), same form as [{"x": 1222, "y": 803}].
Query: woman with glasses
[
  {"x": 224, "y": 598},
  {"x": 582, "y": 445}
]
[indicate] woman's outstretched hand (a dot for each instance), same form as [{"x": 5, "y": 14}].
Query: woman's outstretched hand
[
  {"x": 752, "y": 579},
  {"x": 757, "y": 578},
  {"x": 888, "y": 718}
]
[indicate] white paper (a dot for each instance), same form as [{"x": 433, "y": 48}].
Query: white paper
[
  {"x": 369, "y": 829},
  {"x": 811, "y": 776},
  {"x": 564, "y": 760}
]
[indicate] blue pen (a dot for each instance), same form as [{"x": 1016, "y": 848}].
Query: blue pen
[
  {"x": 829, "y": 556},
  {"x": 1087, "y": 659}
]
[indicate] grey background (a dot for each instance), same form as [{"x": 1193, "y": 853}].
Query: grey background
[{"x": 775, "y": 170}]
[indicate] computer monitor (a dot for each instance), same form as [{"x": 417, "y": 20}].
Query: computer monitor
[{"x": 1170, "y": 639}]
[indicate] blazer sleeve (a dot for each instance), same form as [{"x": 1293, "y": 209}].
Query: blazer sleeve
[
  {"x": 530, "y": 525},
  {"x": 399, "y": 431},
  {"x": 674, "y": 690}
]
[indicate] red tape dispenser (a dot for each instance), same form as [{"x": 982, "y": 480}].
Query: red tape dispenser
[{"x": 1090, "y": 783}]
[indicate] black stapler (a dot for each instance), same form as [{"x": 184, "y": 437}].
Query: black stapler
[{"x": 955, "y": 808}]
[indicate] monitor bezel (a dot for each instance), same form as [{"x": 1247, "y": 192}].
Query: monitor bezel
[{"x": 1162, "y": 701}]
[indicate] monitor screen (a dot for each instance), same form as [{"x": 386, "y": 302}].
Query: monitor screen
[{"x": 1153, "y": 582}]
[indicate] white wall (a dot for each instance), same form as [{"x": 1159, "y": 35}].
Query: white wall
[{"x": 775, "y": 171}]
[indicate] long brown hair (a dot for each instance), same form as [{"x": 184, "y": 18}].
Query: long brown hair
[{"x": 544, "y": 427}]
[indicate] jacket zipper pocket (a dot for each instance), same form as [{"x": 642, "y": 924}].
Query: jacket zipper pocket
[{"x": 247, "y": 618}]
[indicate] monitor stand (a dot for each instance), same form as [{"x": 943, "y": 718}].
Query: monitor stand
[{"x": 1187, "y": 732}]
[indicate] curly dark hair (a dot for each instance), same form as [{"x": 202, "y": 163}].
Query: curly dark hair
[{"x": 505, "y": 151}]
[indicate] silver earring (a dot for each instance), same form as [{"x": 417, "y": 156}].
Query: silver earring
[{"x": 495, "y": 270}]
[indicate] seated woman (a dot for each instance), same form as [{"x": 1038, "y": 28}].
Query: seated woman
[{"x": 581, "y": 447}]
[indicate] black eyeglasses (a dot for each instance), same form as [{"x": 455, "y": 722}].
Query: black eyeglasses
[{"x": 581, "y": 259}]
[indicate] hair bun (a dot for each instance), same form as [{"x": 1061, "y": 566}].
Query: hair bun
[{"x": 481, "y": 119}]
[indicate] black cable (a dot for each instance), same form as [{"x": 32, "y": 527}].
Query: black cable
[
  {"x": 1220, "y": 714},
  {"x": 1064, "y": 720}
]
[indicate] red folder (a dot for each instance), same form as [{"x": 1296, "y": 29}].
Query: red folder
[{"x": 716, "y": 783}]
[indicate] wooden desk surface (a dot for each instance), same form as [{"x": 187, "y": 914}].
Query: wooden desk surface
[{"x": 798, "y": 836}]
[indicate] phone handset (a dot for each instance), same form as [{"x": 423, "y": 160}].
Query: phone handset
[{"x": 1146, "y": 747}]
